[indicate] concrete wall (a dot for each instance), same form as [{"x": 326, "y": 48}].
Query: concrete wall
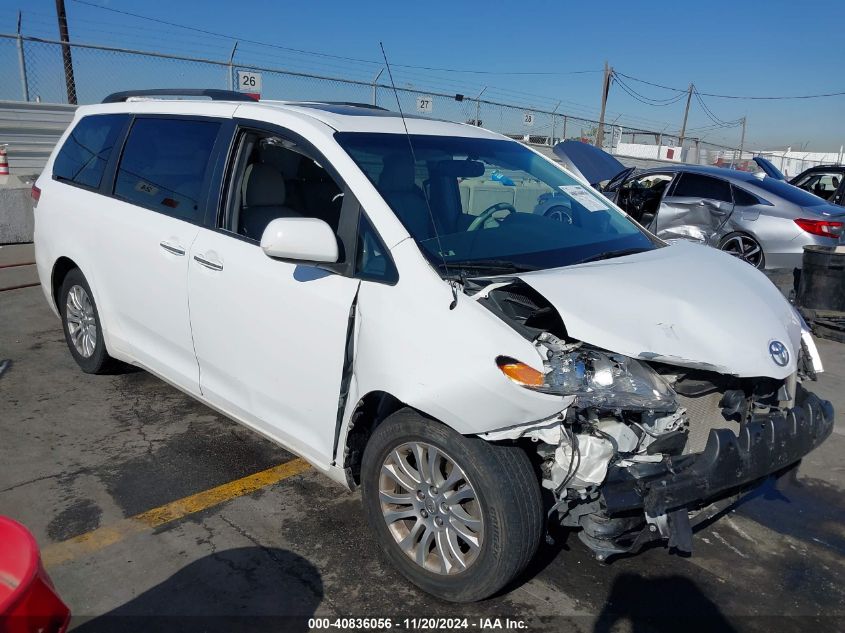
[
  {"x": 638, "y": 150},
  {"x": 16, "y": 219}
]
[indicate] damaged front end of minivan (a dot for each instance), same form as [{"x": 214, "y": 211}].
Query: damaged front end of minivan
[{"x": 642, "y": 445}]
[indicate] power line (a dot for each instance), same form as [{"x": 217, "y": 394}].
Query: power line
[
  {"x": 321, "y": 54},
  {"x": 718, "y": 123},
  {"x": 420, "y": 81},
  {"x": 207, "y": 32},
  {"x": 358, "y": 61},
  {"x": 224, "y": 35},
  {"x": 711, "y": 115},
  {"x": 707, "y": 128},
  {"x": 631, "y": 90},
  {"x": 500, "y": 72},
  {"x": 778, "y": 98},
  {"x": 649, "y": 83},
  {"x": 724, "y": 96},
  {"x": 124, "y": 32},
  {"x": 645, "y": 99},
  {"x": 638, "y": 96}
]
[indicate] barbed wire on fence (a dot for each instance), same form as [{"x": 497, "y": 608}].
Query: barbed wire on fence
[{"x": 33, "y": 69}]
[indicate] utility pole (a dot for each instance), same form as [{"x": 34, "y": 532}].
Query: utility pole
[
  {"x": 478, "y": 107},
  {"x": 375, "y": 86},
  {"x": 742, "y": 140},
  {"x": 660, "y": 141},
  {"x": 686, "y": 114},
  {"x": 552, "y": 137},
  {"x": 605, "y": 89},
  {"x": 66, "y": 57},
  {"x": 22, "y": 63},
  {"x": 232, "y": 67}
]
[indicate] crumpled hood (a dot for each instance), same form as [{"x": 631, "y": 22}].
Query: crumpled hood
[{"x": 684, "y": 304}]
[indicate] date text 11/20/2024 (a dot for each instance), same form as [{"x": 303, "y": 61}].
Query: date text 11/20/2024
[{"x": 418, "y": 624}]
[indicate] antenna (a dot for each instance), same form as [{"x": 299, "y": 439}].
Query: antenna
[{"x": 452, "y": 282}]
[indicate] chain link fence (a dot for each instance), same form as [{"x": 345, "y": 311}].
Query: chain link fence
[{"x": 33, "y": 69}]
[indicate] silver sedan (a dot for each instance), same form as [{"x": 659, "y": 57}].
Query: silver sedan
[{"x": 762, "y": 220}]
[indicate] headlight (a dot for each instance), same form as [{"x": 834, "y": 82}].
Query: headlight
[{"x": 596, "y": 379}]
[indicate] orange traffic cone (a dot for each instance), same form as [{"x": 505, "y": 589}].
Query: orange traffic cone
[{"x": 4, "y": 162}]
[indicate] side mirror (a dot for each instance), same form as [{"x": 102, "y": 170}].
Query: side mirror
[{"x": 300, "y": 239}]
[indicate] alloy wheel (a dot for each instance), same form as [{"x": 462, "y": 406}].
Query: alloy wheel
[
  {"x": 745, "y": 248},
  {"x": 81, "y": 322},
  {"x": 431, "y": 508}
]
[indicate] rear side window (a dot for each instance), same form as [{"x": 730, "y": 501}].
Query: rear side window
[
  {"x": 164, "y": 164},
  {"x": 744, "y": 199},
  {"x": 790, "y": 193},
  {"x": 83, "y": 157},
  {"x": 697, "y": 186}
]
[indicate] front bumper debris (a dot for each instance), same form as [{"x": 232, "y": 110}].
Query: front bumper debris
[
  {"x": 729, "y": 465},
  {"x": 764, "y": 446}
]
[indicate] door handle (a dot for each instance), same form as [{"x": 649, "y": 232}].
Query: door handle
[
  {"x": 173, "y": 249},
  {"x": 212, "y": 265}
]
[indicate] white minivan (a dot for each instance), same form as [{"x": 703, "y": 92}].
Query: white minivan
[{"x": 374, "y": 293}]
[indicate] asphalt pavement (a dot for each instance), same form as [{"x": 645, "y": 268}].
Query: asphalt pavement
[{"x": 155, "y": 513}]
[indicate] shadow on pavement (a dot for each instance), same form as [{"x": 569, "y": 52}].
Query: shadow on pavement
[
  {"x": 670, "y": 604},
  {"x": 243, "y": 589},
  {"x": 802, "y": 507}
]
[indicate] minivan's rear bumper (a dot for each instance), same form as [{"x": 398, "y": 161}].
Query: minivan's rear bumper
[{"x": 765, "y": 445}]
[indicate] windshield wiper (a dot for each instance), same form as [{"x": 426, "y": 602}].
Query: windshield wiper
[
  {"x": 486, "y": 265},
  {"x": 612, "y": 254}
]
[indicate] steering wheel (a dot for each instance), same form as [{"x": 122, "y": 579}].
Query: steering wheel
[
  {"x": 640, "y": 203},
  {"x": 485, "y": 215}
]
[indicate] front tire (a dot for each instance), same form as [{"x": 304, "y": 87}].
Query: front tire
[
  {"x": 458, "y": 516},
  {"x": 82, "y": 326}
]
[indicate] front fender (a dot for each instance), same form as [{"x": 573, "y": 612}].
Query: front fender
[{"x": 442, "y": 361}]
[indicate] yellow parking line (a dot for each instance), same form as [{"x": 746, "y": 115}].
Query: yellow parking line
[{"x": 107, "y": 535}]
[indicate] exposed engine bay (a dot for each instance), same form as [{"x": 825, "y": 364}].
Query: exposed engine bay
[{"x": 640, "y": 445}]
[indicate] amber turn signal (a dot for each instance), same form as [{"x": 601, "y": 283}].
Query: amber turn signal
[{"x": 519, "y": 372}]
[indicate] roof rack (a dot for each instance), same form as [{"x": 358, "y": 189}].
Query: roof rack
[
  {"x": 211, "y": 93},
  {"x": 354, "y": 104}
]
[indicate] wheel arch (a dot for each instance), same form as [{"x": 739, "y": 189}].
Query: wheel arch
[
  {"x": 743, "y": 231},
  {"x": 370, "y": 411},
  {"x": 61, "y": 268}
]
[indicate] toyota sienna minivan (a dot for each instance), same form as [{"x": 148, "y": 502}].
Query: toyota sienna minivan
[{"x": 374, "y": 293}]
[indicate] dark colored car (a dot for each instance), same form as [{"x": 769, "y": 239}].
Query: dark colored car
[{"x": 825, "y": 181}]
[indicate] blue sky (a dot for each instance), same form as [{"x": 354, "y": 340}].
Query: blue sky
[{"x": 741, "y": 48}]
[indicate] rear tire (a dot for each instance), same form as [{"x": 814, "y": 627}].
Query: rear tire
[
  {"x": 744, "y": 247},
  {"x": 498, "y": 506},
  {"x": 82, "y": 326}
]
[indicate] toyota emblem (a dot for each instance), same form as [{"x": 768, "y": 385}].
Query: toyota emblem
[{"x": 779, "y": 353}]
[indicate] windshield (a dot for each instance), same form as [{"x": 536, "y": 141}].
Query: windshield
[{"x": 488, "y": 203}]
